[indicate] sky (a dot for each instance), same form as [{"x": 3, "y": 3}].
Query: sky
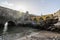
[{"x": 36, "y": 7}]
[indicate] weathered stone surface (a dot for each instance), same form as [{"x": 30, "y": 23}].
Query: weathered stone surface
[
  {"x": 57, "y": 14},
  {"x": 7, "y": 14}
]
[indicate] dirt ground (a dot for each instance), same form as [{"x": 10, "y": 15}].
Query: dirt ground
[
  {"x": 42, "y": 35},
  {"x": 27, "y": 33},
  {"x": 33, "y": 34}
]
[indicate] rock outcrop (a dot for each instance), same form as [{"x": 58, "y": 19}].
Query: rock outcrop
[{"x": 57, "y": 14}]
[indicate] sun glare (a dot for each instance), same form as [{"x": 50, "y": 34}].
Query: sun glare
[{"x": 21, "y": 8}]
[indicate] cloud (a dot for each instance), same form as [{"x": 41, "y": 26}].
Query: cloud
[{"x": 6, "y": 4}]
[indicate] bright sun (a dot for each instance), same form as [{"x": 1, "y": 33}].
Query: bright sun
[{"x": 21, "y": 8}]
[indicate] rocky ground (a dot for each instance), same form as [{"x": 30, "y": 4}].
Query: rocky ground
[
  {"x": 27, "y": 33},
  {"x": 42, "y": 35}
]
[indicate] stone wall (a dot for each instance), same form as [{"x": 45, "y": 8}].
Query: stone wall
[{"x": 8, "y": 14}]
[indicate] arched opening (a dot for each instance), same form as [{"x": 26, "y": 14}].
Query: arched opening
[
  {"x": 11, "y": 23},
  {"x": 8, "y": 26},
  {"x": 11, "y": 26}
]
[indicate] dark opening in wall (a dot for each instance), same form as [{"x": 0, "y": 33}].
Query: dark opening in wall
[
  {"x": 11, "y": 23},
  {"x": 11, "y": 26}
]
